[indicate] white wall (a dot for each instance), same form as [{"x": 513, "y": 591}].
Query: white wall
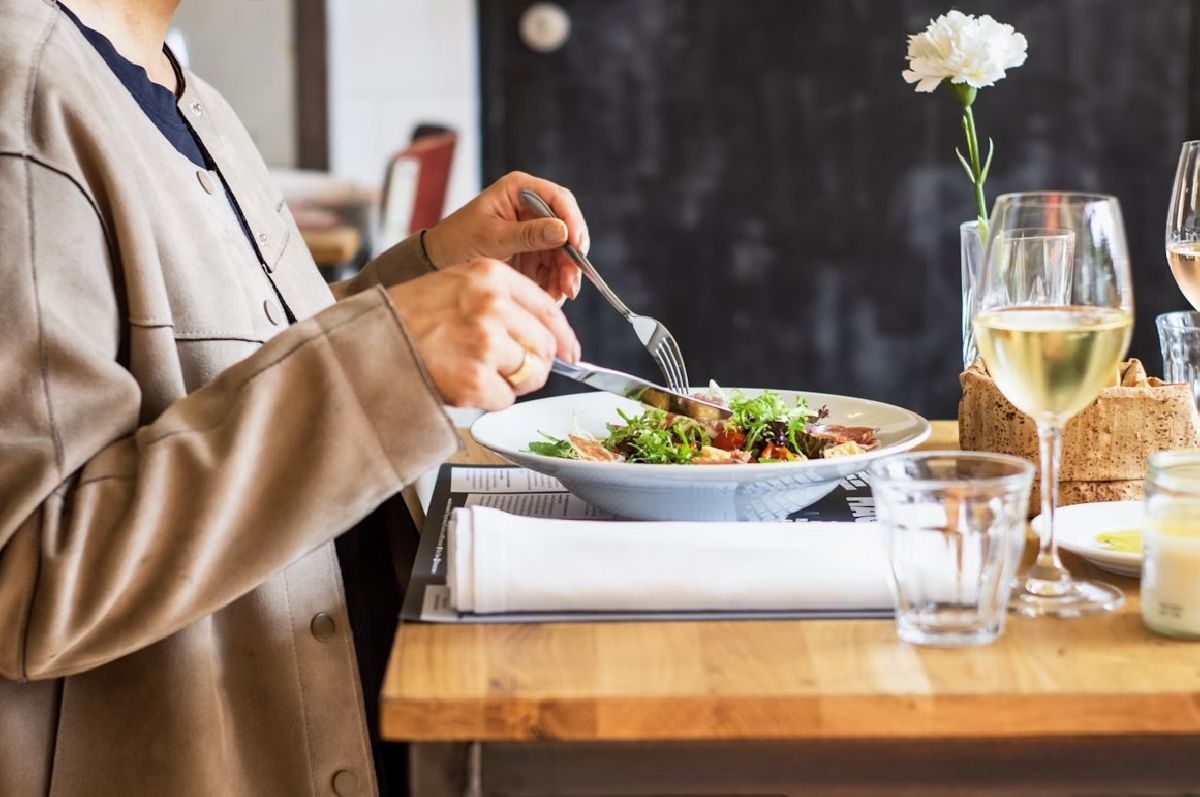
[
  {"x": 392, "y": 64},
  {"x": 246, "y": 51}
]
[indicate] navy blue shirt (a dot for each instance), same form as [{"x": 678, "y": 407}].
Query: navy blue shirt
[
  {"x": 155, "y": 99},
  {"x": 160, "y": 106}
]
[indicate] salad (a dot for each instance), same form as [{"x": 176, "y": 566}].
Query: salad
[{"x": 763, "y": 428}]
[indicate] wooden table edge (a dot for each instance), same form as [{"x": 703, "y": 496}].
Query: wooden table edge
[{"x": 910, "y": 717}]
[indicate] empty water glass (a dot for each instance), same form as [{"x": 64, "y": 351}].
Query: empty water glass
[
  {"x": 1179, "y": 339},
  {"x": 955, "y": 531}
]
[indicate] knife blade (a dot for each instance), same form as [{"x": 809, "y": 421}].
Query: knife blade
[{"x": 638, "y": 389}]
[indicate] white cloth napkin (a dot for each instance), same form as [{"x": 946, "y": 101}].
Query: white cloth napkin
[{"x": 499, "y": 563}]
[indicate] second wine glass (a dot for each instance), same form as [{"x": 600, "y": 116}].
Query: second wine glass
[
  {"x": 1183, "y": 224},
  {"x": 1054, "y": 311}
]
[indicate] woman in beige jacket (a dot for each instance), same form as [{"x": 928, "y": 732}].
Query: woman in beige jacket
[{"x": 189, "y": 417}]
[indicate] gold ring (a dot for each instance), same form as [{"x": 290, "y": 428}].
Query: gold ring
[{"x": 523, "y": 370}]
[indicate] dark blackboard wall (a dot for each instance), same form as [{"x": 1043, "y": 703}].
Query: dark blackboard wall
[{"x": 757, "y": 175}]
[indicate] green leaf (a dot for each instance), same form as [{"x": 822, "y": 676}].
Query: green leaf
[
  {"x": 966, "y": 166},
  {"x": 649, "y": 438},
  {"x": 552, "y": 447},
  {"x": 987, "y": 167},
  {"x": 755, "y": 416}
]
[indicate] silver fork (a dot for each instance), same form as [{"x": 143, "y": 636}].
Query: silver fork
[{"x": 655, "y": 337}]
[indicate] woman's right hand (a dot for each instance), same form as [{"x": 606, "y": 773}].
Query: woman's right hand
[{"x": 473, "y": 324}]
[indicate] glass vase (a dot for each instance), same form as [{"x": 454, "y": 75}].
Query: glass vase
[{"x": 971, "y": 249}]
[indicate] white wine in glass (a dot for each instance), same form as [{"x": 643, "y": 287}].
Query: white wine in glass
[
  {"x": 1183, "y": 224},
  {"x": 1051, "y": 361},
  {"x": 1184, "y": 259},
  {"x": 1054, "y": 313}
]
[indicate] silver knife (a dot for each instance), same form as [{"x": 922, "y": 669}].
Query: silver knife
[{"x": 630, "y": 386}]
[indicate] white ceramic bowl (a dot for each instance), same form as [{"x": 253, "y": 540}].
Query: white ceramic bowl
[
  {"x": 1076, "y": 527},
  {"x": 761, "y": 491}
]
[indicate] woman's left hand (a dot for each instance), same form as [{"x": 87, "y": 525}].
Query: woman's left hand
[{"x": 496, "y": 225}]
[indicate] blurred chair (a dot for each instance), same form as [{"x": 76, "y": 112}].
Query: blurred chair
[
  {"x": 429, "y": 129},
  {"x": 415, "y": 184}
]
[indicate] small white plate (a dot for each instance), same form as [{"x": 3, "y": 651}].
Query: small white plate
[{"x": 1078, "y": 525}]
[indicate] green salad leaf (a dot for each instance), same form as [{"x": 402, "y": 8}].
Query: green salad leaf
[
  {"x": 758, "y": 414},
  {"x": 650, "y": 438},
  {"x": 552, "y": 447}
]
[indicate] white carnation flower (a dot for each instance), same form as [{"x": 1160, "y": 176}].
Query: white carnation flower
[{"x": 964, "y": 49}]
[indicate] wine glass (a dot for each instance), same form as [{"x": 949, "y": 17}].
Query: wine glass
[
  {"x": 1053, "y": 316},
  {"x": 1183, "y": 226}
]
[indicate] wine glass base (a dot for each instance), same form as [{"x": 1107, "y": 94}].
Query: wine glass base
[{"x": 1082, "y": 597}]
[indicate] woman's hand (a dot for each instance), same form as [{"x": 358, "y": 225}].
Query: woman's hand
[
  {"x": 495, "y": 225},
  {"x": 476, "y": 323}
]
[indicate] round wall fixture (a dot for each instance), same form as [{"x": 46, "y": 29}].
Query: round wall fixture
[{"x": 545, "y": 27}]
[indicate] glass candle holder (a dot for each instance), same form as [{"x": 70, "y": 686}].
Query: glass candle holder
[{"x": 1171, "y": 540}]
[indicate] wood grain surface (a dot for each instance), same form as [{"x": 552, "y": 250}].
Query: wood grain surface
[
  {"x": 331, "y": 246},
  {"x": 824, "y": 679}
]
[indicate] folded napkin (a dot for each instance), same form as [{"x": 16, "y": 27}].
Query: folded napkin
[{"x": 499, "y": 563}]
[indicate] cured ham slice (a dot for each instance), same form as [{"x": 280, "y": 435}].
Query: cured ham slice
[
  {"x": 864, "y": 436},
  {"x": 591, "y": 450}
]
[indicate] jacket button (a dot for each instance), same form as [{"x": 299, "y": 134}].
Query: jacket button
[
  {"x": 345, "y": 782},
  {"x": 322, "y": 627},
  {"x": 197, "y": 108},
  {"x": 205, "y": 181},
  {"x": 262, "y": 238},
  {"x": 272, "y": 311}
]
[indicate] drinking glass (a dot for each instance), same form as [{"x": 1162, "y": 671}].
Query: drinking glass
[
  {"x": 1179, "y": 341},
  {"x": 955, "y": 525},
  {"x": 1053, "y": 319},
  {"x": 1183, "y": 226}
]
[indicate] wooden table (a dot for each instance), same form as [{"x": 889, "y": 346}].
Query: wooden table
[
  {"x": 1097, "y": 705},
  {"x": 333, "y": 215},
  {"x": 332, "y": 246}
]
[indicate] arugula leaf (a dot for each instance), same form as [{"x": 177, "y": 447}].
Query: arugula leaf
[
  {"x": 619, "y": 435},
  {"x": 650, "y": 439},
  {"x": 659, "y": 447},
  {"x": 755, "y": 415},
  {"x": 553, "y": 447}
]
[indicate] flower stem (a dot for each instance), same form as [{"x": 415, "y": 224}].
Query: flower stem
[{"x": 977, "y": 177}]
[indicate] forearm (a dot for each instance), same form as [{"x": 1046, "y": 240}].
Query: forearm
[{"x": 231, "y": 484}]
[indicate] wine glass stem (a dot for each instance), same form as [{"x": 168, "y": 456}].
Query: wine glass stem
[{"x": 1048, "y": 576}]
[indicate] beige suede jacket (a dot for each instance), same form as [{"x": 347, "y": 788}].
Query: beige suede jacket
[{"x": 174, "y": 459}]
